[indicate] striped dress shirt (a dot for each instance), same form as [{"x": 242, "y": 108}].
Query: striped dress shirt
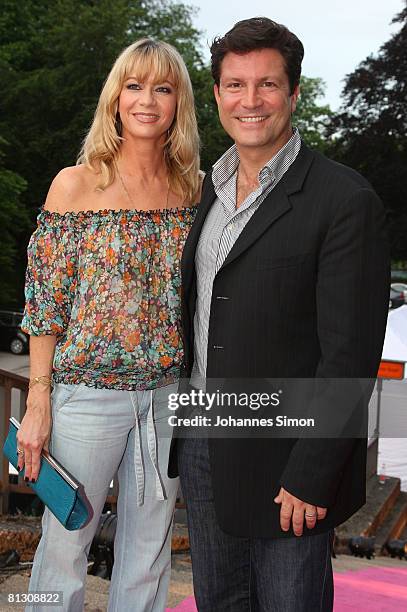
[{"x": 221, "y": 229}]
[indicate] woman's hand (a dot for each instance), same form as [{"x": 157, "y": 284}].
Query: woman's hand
[{"x": 35, "y": 430}]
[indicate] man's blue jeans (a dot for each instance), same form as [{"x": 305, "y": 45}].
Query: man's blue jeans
[{"x": 233, "y": 574}]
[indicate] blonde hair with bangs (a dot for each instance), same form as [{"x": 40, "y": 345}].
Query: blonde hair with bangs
[{"x": 101, "y": 146}]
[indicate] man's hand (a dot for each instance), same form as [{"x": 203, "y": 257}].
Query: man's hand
[{"x": 295, "y": 509}]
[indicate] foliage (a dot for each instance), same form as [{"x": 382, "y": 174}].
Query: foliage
[
  {"x": 55, "y": 65},
  {"x": 311, "y": 118},
  {"x": 370, "y": 132},
  {"x": 54, "y": 57},
  {"x": 13, "y": 220}
]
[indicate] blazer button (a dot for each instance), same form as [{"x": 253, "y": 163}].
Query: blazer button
[{"x": 218, "y": 347}]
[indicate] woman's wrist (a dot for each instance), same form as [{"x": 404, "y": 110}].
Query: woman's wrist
[
  {"x": 38, "y": 393},
  {"x": 41, "y": 381}
]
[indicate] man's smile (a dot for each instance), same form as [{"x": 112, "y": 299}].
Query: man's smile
[{"x": 256, "y": 119}]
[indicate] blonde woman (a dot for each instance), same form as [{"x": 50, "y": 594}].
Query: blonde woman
[{"x": 102, "y": 310}]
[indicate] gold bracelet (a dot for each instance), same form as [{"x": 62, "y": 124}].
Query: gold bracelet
[{"x": 44, "y": 380}]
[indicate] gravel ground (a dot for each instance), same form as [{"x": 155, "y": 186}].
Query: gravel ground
[{"x": 97, "y": 588}]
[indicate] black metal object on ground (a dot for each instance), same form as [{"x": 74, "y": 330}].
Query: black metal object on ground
[
  {"x": 397, "y": 548},
  {"x": 362, "y": 547},
  {"x": 9, "y": 558},
  {"x": 102, "y": 548}
]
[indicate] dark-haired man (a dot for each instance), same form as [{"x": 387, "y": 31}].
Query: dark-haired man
[{"x": 285, "y": 274}]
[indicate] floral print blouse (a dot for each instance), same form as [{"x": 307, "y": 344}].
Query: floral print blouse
[{"x": 108, "y": 285}]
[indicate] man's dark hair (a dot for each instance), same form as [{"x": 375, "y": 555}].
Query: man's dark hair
[{"x": 259, "y": 33}]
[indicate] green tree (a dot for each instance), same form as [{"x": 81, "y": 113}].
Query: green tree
[
  {"x": 311, "y": 118},
  {"x": 53, "y": 61},
  {"x": 214, "y": 140},
  {"x": 370, "y": 132},
  {"x": 54, "y": 57},
  {"x": 13, "y": 222}
]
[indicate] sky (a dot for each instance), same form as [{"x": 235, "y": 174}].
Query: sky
[{"x": 337, "y": 34}]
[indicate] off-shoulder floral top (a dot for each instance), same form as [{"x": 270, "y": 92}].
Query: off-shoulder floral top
[{"x": 108, "y": 284}]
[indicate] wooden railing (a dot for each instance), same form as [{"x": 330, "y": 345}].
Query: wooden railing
[{"x": 8, "y": 382}]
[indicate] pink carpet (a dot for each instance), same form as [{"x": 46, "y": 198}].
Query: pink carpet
[
  {"x": 377, "y": 589},
  {"x": 188, "y": 605}
]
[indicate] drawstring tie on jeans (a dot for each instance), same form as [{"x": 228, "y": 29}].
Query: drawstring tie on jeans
[{"x": 152, "y": 451}]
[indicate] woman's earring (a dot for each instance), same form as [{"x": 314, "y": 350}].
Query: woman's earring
[{"x": 118, "y": 124}]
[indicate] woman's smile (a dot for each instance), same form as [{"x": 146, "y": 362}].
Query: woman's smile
[{"x": 146, "y": 117}]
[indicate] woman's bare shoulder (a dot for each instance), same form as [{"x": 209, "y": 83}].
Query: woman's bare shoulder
[{"x": 68, "y": 188}]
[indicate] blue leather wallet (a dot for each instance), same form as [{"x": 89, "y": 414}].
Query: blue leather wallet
[{"x": 60, "y": 491}]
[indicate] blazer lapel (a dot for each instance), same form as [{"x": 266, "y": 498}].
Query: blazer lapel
[
  {"x": 274, "y": 206},
  {"x": 191, "y": 243}
]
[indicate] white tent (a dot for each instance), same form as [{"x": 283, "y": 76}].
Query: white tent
[
  {"x": 392, "y": 459},
  {"x": 395, "y": 342}
]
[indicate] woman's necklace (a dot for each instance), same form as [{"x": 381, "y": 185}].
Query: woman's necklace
[{"x": 126, "y": 191}]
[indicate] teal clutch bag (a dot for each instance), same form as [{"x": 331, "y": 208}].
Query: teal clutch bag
[{"x": 60, "y": 491}]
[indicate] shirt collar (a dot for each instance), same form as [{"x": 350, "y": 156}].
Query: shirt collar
[{"x": 227, "y": 165}]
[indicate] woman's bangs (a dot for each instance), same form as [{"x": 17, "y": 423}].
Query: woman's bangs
[{"x": 151, "y": 62}]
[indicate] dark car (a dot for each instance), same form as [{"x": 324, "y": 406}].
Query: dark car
[
  {"x": 396, "y": 298},
  {"x": 402, "y": 288},
  {"x": 11, "y": 337},
  {"x": 399, "y": 276}
]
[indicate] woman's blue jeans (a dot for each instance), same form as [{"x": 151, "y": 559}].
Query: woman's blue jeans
[{"x": 95, "y": 433}]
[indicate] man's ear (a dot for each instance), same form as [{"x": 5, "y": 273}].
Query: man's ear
[
  {"x": 294, "y": 98},
  {"x": 216, "y": 93}
]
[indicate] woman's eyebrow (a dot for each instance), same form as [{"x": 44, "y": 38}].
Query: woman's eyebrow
[{"x": 134, "y": 78}]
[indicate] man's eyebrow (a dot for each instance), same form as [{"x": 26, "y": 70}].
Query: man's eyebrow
[{"x": 268, "y": 77}]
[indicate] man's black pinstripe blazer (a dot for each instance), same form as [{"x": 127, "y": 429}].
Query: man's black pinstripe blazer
[{"x": 307, "y": 283}]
